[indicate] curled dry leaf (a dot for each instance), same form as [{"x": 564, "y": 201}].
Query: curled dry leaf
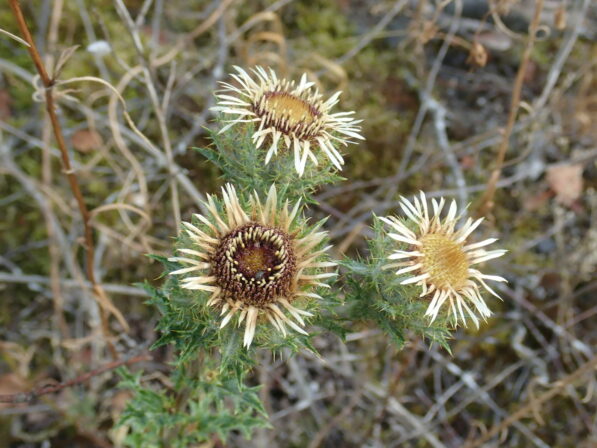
[{"x": 566, "y": 181}]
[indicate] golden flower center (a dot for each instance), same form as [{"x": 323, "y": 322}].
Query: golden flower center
[
  {"x": 445, "y": 261},
  {"x": 290, "y": 108},
  {"x": 256, "y": 260}
]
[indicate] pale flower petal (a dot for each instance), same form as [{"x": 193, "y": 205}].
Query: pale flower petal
[
  {"x": 442, "y": 266},
  {"x": 244, "y": 253},
  {"x": 283, "y": 109}
]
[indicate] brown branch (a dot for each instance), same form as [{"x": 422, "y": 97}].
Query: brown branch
[
  {"x": 102, "y": 299},
  {"x": 486, "y": 202},
  {"x": 535, "y": 403},
  {"x": 27, "y": 397}
]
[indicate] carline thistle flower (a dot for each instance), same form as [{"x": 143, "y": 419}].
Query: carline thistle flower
[
  {"x": 439, "y": 260},
  {"x": 294, "y": 117},
  {"x": 255, "y": 264}
]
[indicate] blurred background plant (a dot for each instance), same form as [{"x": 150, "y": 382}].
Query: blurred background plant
[{"x": 433, "y": 82}]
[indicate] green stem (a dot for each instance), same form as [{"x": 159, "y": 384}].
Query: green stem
[{"x": 193, "y": 369}]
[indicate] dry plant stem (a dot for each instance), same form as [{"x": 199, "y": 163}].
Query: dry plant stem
[
  {"x": 367, "y": 38},
  {"x": 53, "y": 248},
  {"x": 483, "y": 394},
  {"x": 393, "y": 185},
  {"x": 536, "y": 403},
  {"x": 54, "y": 251},
  {"x": 167, "y": 145},
  {"x": 48, "y": 83},
  {"x": 70, "y": 283},
  {"x": 425, "y": 94},
  {"x": 153, "y": 95},
  {"x": 394, "y": 382},
  {"x": 486, "y": 202},
  {"x": 555, "y": 70},
  {"x": 198, "y": 31},
  {"x": 50, "y": 389},
  {"x": 326, "y": 429}
]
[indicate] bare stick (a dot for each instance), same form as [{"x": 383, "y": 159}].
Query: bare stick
[
  {"x": 27, "y": 397},
  {"x": 46, "y": 175},
  {"x": 99, "y": 294},
  {"x": 486, "y": 202}
]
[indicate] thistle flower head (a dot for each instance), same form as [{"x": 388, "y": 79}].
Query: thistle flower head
[
  {"x": 288, "y": 116},
  {"x": 253, "y": 262},
  {"x": 438, "y": 259}
]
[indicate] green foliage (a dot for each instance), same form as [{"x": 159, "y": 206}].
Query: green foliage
[
  {"x": 244, "y": 165},
  {"x": 322, "y": 25},
  {"x": 208, "y": 396},
  {"x": 195, "y": 411},
  {"x": 189, "y": 324},
  {"x": 375, "y": 294}
]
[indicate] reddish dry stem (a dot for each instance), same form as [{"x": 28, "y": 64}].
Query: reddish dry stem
[
  {"x": 67, "y": 168},
  {"x": 26, "y": 397}
]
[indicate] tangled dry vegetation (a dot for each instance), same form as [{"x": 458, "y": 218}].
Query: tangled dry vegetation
[{"x": 458, "y": 99}]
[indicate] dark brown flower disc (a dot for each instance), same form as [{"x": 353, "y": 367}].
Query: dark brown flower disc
[{"x": 255, "y": 263}]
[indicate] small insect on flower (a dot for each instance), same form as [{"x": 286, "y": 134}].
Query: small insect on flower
[
  {"x": 255, "y": 264},
  {"x": 294, "y": 117},
  {"x": 439, "y": 260}
]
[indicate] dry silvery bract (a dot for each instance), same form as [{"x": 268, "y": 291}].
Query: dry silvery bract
[
  {"x": 438, "y": 258},
  {"x": 256, "y": 261},
  {"x": 289, "y": 117}
]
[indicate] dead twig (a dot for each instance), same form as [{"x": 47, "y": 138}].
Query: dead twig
[
  {"x": 535, "y": 403},
  {"x": 27, "y": 397},
  {"x": 102, "y": 299},
  {"x": 439, "y": 120},
  {"x": 66, "y": 283},
  {"x": 368, "y": 37}
]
